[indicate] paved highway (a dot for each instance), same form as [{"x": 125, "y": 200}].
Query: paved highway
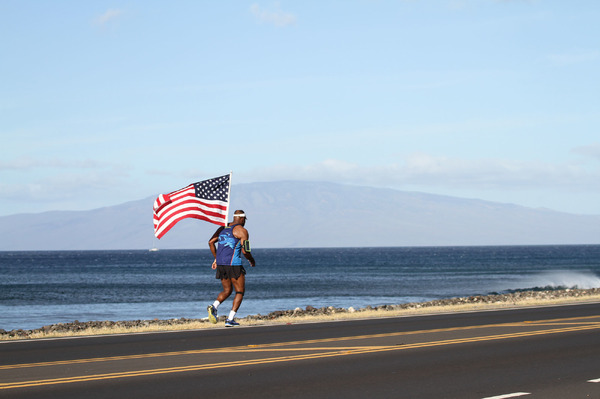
[{"x": 548, "y": 352}]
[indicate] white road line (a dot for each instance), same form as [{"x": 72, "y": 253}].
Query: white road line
[
  {"x": 596, "y": 380},
  {"x": 508, "y": 395}
]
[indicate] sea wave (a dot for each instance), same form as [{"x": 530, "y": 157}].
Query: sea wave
[{"x": 556, "y": 280}]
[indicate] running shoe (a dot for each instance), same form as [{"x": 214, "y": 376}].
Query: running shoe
[
  {"x": 231, "y": 323},
  {"x": 212, "y": 314}
]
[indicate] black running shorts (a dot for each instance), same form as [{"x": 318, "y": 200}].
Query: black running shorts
[{"x": 228, "y": 272}]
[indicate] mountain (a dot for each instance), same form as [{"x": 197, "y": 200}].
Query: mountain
[{"x": 308, "y": 214}]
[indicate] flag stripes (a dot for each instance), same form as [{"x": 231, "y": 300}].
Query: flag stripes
[{"x": 205, "y": 200}]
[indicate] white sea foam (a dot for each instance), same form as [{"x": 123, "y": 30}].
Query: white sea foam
[{"x": 559, "y": 279}]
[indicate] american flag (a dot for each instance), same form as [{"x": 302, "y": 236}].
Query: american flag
[{"x": 205, "y": 200}]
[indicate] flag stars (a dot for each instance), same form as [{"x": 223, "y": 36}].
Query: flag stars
[{"x": 213, "y": 189}]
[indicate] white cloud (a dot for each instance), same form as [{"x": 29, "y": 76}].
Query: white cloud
[
  {"x": 488, "y": 173},
  {"x": 592, "y": 151},
  {"x": 110, "y": 15},
  {"x": 430, "y": 172},
  {"x": 576, "y": 57},
  {"x": 275, "y": 16},
  {"x": 463, "y": 4},
  {"x": 26, "y": 163},
  {"x": 83, "y": 185}
]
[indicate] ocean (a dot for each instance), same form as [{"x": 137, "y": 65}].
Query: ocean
[{"x": 39, "y": 288}]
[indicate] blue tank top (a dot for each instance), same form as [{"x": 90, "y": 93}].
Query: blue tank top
[{"x": 229, "y": 250}]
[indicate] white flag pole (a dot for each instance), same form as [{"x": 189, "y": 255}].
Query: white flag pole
[{"x": 228, "y": 199}]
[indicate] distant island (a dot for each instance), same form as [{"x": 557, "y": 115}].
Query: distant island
[{"x": 310, "y": 214}]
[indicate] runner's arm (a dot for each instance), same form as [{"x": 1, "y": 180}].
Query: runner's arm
[
  {"x": 242, "y": 234},
  {"x": 212, "y": 245}
]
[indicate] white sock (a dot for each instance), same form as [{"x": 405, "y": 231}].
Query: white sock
[
  {"x": 231, "y": 315},
  {"x": 216, "y": 304}
]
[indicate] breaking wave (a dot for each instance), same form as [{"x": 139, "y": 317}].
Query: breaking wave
[{"x": 557, "y": 280}]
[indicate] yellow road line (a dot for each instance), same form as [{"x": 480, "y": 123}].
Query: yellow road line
[
  {"x": 338, "y": 352},
  {"x": 137, "y": 373},
  {"x": 565, "y": 324},
  {"x": 291, "y": 343},
  {"x": 562, "y": 319}
]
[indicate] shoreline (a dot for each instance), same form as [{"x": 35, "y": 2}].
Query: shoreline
[{"x": 311, "y": 314}]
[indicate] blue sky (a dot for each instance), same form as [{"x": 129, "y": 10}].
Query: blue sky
[{"x": 108, "y": 102}]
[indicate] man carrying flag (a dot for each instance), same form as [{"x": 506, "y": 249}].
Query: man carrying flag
[
  {"x": 208, "y": 200},
  {"x": 232, "y": 243}
]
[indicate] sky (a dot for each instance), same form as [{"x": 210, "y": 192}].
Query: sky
[{"x": 104, "y": 102}]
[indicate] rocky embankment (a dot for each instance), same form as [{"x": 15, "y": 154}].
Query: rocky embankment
[{"x": 509, "y": 299}]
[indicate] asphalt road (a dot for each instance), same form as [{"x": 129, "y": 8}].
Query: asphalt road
[{"x": 549, "y": 352}]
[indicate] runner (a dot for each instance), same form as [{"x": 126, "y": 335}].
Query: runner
[{"x": 232, "y": 243}]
